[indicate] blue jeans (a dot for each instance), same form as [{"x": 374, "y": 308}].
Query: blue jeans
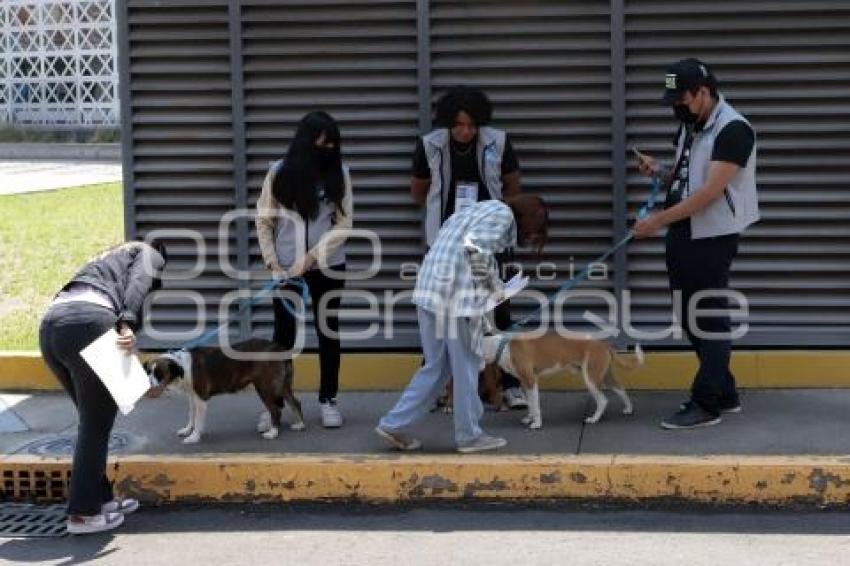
[{"x": 448, "y": 351}]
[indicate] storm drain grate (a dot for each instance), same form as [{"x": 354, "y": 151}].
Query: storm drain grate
[
  {"x": 27, "y": 521},
  {"x": 26, "y": 484},
  {"x": 63, "y": 445}
]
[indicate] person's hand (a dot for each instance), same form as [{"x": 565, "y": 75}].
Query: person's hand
[
  {"x": 302, "y": 265},
  {"x": 647, "y": 227},
  {"x": 647, "y": 164},
  {"x": 278, "y": 272},
  {"x": 126, "y": 338}
]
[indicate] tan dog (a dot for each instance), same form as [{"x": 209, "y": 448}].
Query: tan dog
[{"x": 530, "y": 357}]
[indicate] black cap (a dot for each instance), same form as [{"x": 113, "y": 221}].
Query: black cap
[{"x": 687, "y": 74}]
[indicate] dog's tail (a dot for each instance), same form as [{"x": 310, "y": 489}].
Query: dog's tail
[{"x": 633, "y": 363}]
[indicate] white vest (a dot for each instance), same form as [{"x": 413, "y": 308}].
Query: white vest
[
  {"x": 737, "y": 208},
  {"x": 295, "y": 236},
  {"x": 489, "y": 151}
]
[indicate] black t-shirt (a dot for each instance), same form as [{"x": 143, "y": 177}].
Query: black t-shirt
[
  {"x": 733, "y": 144},
  {"x": 464, "y": 168}
]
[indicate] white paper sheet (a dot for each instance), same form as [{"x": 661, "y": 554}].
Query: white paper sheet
[
  {"x": 121, "y": 373},
  {"x": 514, "y": 285}
]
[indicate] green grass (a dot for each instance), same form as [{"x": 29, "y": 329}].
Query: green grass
[
  {"x": 44, "y": 239},
  {"x": 12, "y": 134}
]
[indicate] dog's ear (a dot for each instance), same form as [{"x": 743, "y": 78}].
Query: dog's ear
[{"x": 175, "y": 369}]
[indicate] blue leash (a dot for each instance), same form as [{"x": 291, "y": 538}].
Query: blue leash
[
  {"x": 264, "y": 292},
  {"x": 648, "y": 205}
]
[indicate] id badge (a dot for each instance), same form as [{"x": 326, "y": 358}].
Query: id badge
[{"x": 466, "y": 194}]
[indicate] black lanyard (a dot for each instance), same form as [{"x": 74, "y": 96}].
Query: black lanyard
[{"x": 684, "y": 157}]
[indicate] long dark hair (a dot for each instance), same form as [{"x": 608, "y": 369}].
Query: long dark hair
[{"x": 294, "y": 186}]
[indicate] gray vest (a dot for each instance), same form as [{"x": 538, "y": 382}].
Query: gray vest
[
  {"x": 295, "y": 236},
  {"x": 737, "y": 208},
  {"x": 489, "y": 151}
]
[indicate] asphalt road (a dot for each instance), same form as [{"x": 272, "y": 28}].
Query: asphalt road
[{"x": 454, "y": 533}]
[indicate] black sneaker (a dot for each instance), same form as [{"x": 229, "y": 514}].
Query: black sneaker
[
  {"x": 725, "y": 407},
  {"x": 692, "y": 416},
  {"x": 730, "y": 405}
]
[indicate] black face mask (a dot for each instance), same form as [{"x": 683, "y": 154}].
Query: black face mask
[
  {"x": 325, "y": 157},
  {"x": 681, "y": 112}
]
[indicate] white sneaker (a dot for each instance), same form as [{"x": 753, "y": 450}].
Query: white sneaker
[
  {"x": 331, "y": 417},
  {"x": 82, "y": 525},
  {"x": 119, "y": 505},
  {"x": 482, "y": 443},
  {"x": 515, "y": 398}
]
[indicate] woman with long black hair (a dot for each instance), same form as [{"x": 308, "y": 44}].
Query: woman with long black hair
[{"x": 303, "y": 219}]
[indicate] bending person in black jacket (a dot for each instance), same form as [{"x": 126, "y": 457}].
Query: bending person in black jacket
[{"x": 108, "y": 292}]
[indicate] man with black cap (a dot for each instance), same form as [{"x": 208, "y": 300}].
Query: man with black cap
[{"x": 711, "y": 199}]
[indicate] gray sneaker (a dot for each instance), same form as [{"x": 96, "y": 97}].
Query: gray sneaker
[
  {"x": 515, "y": 398},
  {"x": 399, "y": 440},
  {"x": 481, "y": 444}
]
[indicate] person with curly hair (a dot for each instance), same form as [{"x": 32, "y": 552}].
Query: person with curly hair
[{"x": 461, "y": 162}]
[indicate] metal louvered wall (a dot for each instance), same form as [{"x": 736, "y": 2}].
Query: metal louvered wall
[
  {"x": 212, "y": 89},
  {"x": 178, "y": 142},
  {"x": 537, "y": 60},
  {"x": 785, "y": 65},
  {"x": 356, "y": 61}
]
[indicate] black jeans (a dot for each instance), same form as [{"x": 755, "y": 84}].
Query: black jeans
[
  {"x": 65, "y": 330},
  {"x": 318, "y": 285},
  {"x": 696, "y": 265}
]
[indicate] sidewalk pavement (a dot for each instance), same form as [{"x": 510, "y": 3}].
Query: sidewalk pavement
[
  {"x": 18, "y": 177},
  {"x": 787, "y": 446},
  {"x": 773, "y": 422}
]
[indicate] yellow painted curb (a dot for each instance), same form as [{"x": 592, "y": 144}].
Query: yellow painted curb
[
  {"x": 25, "y": 370},
  {"x": 386, "y": 371},
  {"x": 268, "y": 478}
]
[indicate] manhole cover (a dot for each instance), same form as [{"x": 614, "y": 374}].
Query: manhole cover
[
  {"x": 24, "y": 520},
  {"x": 64, "y": 445}
]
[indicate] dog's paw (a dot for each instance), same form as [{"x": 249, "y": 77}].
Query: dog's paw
[
  {"x": 628, "y": 411},
  {"x": 271, "y": 434},
  {"x": 447, "y": 410},
  {"x": 526, "y": 420},
  {"x": 192, "y": 439},
  {"x": 264, "y": 423},
  {"x": 185, "y": 431},
  {"x": 299, "y": 426},
  {"x": 593, "y": 419},
  {"x": 535, "y": 424}
]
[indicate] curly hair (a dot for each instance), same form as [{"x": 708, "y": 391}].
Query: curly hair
[{"x": 463, "y": 99}]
